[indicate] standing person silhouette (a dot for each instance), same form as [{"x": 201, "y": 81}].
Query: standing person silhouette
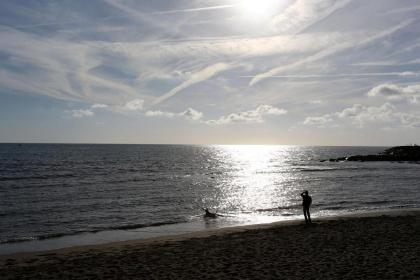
[{"x": 306, "y": 203}]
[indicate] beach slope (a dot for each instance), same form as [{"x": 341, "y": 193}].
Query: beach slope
[{"x": 377, "y": 247}]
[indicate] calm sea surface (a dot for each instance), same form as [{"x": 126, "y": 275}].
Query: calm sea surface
[{"x": 49, "y": 191}]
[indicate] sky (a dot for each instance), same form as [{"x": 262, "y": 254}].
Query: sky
[{"x": 287, "y": 72}]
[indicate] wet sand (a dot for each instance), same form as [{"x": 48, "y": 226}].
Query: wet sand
[{"x": 372, "y": 246}]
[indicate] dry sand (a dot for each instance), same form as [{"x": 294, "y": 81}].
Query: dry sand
[{"x": 385, "y": 246}]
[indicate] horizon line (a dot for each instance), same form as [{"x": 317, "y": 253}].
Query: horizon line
[{"x": 192, "y": 144}]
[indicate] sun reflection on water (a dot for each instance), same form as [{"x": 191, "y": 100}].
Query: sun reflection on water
[{"x": 255, "y": 180}]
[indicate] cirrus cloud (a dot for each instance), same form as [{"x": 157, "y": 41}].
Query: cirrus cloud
[
  {"x": 302, "y": 14},
  {"x": 197, "y": 77}
]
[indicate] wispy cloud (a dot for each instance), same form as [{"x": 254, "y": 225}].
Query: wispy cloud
[
  {"x": 303, "y": 14},
  {"x": 197, "y": 77},
  {"x": 110, "y": 18},
  {"x": 403, "y": 10},
  {"x": 335, "y": 49},
  {"x": 199, "y": 9},
  {"x": 59, "y": 69},
  {"x": 344, "y": 75}
]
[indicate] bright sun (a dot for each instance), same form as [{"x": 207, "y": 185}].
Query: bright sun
[{"x": 258, "y": 9}]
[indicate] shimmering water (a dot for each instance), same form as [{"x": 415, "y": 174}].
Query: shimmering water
[{"x": 48, "y": 190}]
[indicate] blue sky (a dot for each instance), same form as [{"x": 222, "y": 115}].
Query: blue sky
[{"x": 320, "y": 72}]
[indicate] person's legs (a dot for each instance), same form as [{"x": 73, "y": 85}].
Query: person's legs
[
  {"x": 304, "y": 214},
  {"x": 309, "y": 215}
]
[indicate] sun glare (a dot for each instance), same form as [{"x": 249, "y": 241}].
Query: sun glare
[{"x": 258, "y": 9}]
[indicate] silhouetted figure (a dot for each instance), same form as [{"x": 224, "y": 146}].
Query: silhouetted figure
[
  {"x": 208, "y": 214},
  {"x": 306, "y": 203}
]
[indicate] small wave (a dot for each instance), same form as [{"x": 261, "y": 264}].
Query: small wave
[
  {"x": 321, "y": 169},
  {"x": 39, "y": 237},
  {"x": 39, "y": 177},
  {"x": 58, "y": 235},
  {"x": 340, "y": 202},
  {"x": 289, "y": 207},
  {"x": 325, "y": 168},
  {"x": 135, "y": 226},
  {"x": 268, "y": 209},
  {"x": 378, "y": 202},
  {"x": 16, "y": 240},
  {"x": 287, "y": 214},
  {"x": 273, "y": 172},
  {"x": 334, "y": 208},
  {"x": 345, "y": 204},
  {"x": 318, "y": 169}
]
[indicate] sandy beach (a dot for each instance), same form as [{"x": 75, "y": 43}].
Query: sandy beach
[{"x": 372, "y": 246}]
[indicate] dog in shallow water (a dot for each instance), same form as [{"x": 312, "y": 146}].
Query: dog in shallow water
[{"x": 208, "y": 214}]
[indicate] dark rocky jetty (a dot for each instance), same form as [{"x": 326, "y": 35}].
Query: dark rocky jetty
[{"x": 400, "y": 153}]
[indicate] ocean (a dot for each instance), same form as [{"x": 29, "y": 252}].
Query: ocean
[{"x": 57, "y": 195}]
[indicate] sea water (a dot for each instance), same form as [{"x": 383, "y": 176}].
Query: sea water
[{"x": 65, "y": 194}]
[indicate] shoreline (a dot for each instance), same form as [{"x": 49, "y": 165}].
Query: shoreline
[
  {"x": 380, "y": 245},
  {"x": 215, "y": 232},
  {"x": 199, "y": 228}
]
